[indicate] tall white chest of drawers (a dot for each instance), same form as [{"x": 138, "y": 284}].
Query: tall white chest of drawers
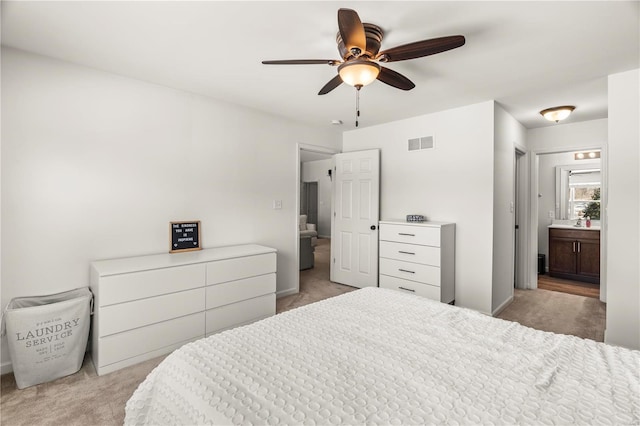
[
  {"x": 418, "y": 258},
  {"x": 148, "y": 306}
]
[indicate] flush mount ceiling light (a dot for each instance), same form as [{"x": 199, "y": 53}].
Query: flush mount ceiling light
[{"x": 557, "y": 113}]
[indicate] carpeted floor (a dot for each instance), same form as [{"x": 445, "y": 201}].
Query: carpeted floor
[
  {"x": 87, "y": 399},
  {"x": 314, "y": 282},
  {"x": 82, "y": 399}
]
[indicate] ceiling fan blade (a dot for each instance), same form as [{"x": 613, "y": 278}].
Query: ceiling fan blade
[
  {"x": 395, "y": 79},
  {"x": 422, "y": 48},
  {"x": 332, "y": 84},
  {"x": 351, "y": 30},
  {"x": 302, "y": 62}
]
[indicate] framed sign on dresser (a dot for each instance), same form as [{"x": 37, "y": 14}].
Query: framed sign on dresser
[
  {"x": 147, "y": 306},
  {"x": 418, "y": 257}
]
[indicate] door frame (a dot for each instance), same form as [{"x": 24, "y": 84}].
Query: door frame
[
  {"x": 296, "y": 210},
  {"x": 521, "y": 199},
  {"x": 533, "y": 212}
]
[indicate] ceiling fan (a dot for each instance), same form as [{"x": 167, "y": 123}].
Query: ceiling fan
[{"x": 359, "y": 46}]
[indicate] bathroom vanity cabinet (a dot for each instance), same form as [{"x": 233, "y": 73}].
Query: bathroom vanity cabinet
[{"x": 575, "y": 254}]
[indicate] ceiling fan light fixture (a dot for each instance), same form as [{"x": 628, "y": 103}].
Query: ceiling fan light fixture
[
  {"x": 557, "y": 113},
  {"x": 359, "y": 72}
]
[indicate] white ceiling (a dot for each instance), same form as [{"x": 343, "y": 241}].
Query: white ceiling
[{"x": 526, "y": 55}]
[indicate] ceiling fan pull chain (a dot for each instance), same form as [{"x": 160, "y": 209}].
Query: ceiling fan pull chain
[{"x": 357, "y": 104}]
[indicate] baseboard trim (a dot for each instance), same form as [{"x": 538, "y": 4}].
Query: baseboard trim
[
  {"x": 503, "y": 306},
  {"x": 6, "y": 368},
  {"x": 284, "y": 293}
]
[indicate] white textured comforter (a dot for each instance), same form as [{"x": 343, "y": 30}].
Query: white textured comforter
[{"x": 377, "y": 356}]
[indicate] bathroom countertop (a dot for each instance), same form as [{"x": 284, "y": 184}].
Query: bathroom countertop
[{"x": 593, "y": 227}]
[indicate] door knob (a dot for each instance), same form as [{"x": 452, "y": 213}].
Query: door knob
[{"x": 373, "y": 227}]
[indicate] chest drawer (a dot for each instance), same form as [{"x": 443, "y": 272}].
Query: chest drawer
[
  {"x": 140, "y": 285},
  {"x": 410, "y": 234},
  {"x": 241, "y": 267},
  {"x": 427, "y": 255},
  {"x": 235, "y": 291},
  {"x": 147, "y": 306},
  {"x": 141, "y": 340},
  {"x": 139, "y": 313},
  {"x": 410, "y": 271},
  {"x": 240, "y": 313},
  {"x": 406, "y": 286}
]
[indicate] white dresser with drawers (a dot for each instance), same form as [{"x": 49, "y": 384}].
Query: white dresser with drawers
[
  {"x": 418, "y": 258},
  {"x": 148, "y": 306}
]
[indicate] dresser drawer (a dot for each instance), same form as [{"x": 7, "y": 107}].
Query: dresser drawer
[
  {"x": 118, "y": 347},
  {"x": 139, "y": 313},
  {"x": 410, "y": 271},
  {"x": 235, "y": 291},
  {"x": 423, "y": 235},
  {"x": 240, "y": 313},
  {"x": 240, "y": 267},
  {"x": 427, "y": 255},
  {"x": 139, "y": 285},
  {"x": 406, "y": 286}
]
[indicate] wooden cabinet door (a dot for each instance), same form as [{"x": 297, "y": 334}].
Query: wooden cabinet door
[
  {"x": 562, "y": 258},
  {"x": 588, "y": 258},
  {"x": 574, "y": 254}
]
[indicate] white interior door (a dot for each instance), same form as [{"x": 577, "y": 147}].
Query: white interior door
[{"x": 354, "y": 230}]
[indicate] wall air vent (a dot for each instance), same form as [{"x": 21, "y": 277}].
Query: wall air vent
[{"x": 417, "y": 144}]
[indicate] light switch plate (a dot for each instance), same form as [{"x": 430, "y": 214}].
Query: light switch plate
[{"x": 277, "y": 204}]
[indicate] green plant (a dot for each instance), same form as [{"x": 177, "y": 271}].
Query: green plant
[{"x": 593, "y": 209}]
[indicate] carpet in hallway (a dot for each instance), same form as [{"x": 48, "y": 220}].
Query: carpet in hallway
[{"x": 314, "y": 282}]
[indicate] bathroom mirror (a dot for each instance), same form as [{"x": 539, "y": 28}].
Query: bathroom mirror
[{"x": 578, "y": 191}]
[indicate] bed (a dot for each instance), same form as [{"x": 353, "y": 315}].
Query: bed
[{"x": 378, "y": 356}]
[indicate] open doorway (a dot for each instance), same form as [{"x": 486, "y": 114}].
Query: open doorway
[
  {"x": 313, "y": 283},
  {"x": 570, "y": 189},
  {"x": 313, "y": 215},
  {"x": 551, "y": 310},
  {"x": 570, "y": 186}
]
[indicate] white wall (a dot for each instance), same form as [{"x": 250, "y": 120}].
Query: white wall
[
  {"x": 547, "y": 192},
  {"x": 453, "y": 183},
  {"x": 567, "y": 137},
  {"x": 623, "y": 205},
  {"x": 316, "y": 171},
  {"x": 508, "y": 133},
  {"x": 96, "y": 165}
]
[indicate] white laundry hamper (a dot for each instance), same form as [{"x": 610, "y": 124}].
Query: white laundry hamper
[{"x": 47, "y": 335}]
